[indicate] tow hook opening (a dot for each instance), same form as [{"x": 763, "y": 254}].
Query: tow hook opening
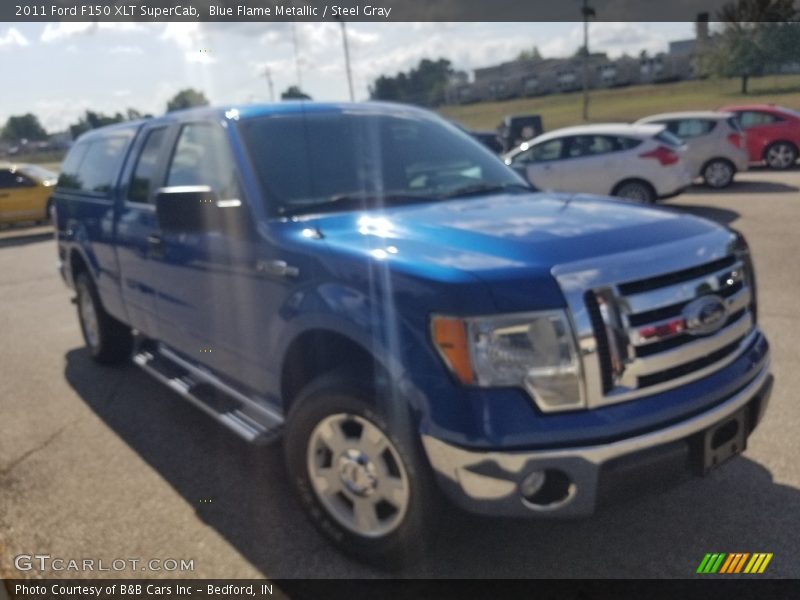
[{"x": 546, "y": 489}]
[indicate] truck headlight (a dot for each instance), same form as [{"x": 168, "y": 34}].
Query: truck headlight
[{"x": 535, "y": 351}]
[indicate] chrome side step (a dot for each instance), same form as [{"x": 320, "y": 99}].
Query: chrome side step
[{"x": 252, "y": 419}]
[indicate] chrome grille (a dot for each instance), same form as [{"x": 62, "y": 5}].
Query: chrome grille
[{"x": 635, "y": 318}]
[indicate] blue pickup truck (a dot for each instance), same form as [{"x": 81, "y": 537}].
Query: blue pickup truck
[{"x": 372, "y": 285}]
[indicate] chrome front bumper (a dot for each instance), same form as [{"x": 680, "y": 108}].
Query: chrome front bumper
[{"x": 489, "y": 482}]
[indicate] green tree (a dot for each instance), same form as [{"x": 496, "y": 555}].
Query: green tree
[
  {"x": 187, "y": 98},
  {"x": 93, "y": 120},
  {"x": 133, "y": 115},
  {"x": 757, "y": 37},
  {"x": 23, "y": 127},
  {"x": 293, "y": 92},
  {"x": 424, "y": 84},
  {"x": 533, "y": 55}
]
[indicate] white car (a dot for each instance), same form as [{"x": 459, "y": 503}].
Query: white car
[
  {"x": 639, "y": 162},
  {"x": 716, "y": 145}
]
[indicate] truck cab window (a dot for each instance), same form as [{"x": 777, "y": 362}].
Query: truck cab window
[
  {"x": 141, "y": 184},
  {"x": 201, "y": 157}
]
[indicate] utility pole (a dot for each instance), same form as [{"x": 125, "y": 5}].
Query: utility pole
[
  {"x": 268, "y": 75},
  {"x": 296, "y": 58},
  {"x": 587, "y": 12},
  {"x": 347, "y": 58}
]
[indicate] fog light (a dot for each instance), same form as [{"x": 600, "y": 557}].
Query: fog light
[{"x": 532, "y": 484}]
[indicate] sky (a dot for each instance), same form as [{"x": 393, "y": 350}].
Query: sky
[{"x": 59, "y": 70}]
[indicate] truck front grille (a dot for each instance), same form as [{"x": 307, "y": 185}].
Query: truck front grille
[
  {"x": 644, "y": 328},
  {"x": 643, "y": 337}
]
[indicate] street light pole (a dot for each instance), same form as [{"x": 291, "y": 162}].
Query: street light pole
[
  {"x": 296, "y": 57},
  {"x": 268, "y": 75},
  {"x": 347, "y": 60},
  {"x": 587, "y": 12}
]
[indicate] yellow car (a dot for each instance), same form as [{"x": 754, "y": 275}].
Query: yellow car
[{"x": 25, "y": 193}]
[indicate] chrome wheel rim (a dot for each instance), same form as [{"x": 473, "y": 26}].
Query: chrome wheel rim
[
  {"x": 780, "y": 156},
  {"x": 358, "y": 475},
  {"x": 91, "y": 327},
  {"x": 718, "y": 174}
]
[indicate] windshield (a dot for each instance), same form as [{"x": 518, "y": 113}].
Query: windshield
[
  {"x": 311, "y": 161},
  {"x": 39, "y": 173}
]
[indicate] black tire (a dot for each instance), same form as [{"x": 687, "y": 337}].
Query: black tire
[
  {"x": 718, "y": 173},
  {"x": 328, "y": 398},
  {"x": 780, "y": 155},
  {"x": 109, "y": 341},
  {"x": 637, "y": 190},
  {"x": 48, "y": 216}
]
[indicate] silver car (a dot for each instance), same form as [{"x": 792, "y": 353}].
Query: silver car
[{"x": 716, "y": 144}]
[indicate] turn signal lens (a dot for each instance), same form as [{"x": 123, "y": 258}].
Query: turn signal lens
[{"x": 450, "y": 337}]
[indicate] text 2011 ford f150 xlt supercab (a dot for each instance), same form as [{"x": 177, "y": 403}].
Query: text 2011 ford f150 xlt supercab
[{"x": 374, "y": 285}]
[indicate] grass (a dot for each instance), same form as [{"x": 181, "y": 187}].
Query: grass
[
  {"x": 39, "y": 158},
  {"x": 630, "y": 103}
]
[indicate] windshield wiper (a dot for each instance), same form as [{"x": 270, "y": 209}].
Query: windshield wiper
[
  {"x": 474, "y": 189},
  {"x": 354, "y": 200}
]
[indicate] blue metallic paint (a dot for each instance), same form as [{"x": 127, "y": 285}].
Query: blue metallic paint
[{"x": 377, "y": 276}]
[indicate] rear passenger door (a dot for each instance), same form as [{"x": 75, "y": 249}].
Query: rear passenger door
[
  {"x": 700, "y": 145},
  {"x": 590, "y": 164},
  {"x": 137, "y": 230}
]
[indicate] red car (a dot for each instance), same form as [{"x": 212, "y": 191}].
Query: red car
[{"x": 773, "y": 133}]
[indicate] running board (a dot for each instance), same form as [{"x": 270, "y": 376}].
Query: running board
[{"x": 251, "y": 419}]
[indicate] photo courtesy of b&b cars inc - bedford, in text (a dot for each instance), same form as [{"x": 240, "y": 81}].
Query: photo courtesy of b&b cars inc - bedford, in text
[{"x": 403, "y": 299}]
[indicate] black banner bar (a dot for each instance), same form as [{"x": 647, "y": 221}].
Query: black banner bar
[
  {"x": 356, "y": 10},
  {"x": 704, "y": 588}
]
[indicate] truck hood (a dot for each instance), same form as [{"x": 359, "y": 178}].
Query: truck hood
[{"x": 505, "y": 238}]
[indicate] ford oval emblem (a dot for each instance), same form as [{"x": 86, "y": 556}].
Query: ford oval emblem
[{"x": 705, "y": 315}]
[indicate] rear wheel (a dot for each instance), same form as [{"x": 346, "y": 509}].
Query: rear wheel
[
  {"x": 780, "y": 155},
  {"x": 363, "y": 481},
  {"x": 637, "y": 190},
  {"x": 718, "y": 173},
  {"x": 109, "y": 341}
]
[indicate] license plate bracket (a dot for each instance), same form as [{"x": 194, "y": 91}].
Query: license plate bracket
[{"x": 724, "y": 440}]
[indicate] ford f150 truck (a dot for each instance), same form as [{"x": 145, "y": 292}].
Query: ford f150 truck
[{"x": 375, "y": 286}]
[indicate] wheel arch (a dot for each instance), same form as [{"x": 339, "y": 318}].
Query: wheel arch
[
  {"x": 318, "y": 351},
  {"x": 622, "y": 182},
  {"x": 779, "y": 141}
]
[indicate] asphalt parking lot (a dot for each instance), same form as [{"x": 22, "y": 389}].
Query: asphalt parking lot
[{"x": 107, "y": 463}]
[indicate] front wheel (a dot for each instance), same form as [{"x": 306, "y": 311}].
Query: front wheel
[
  {"x": 639, "y": 191},
  {"x": 718, "y": 173},
  {"x": 363, "y": 481},
  {"x": 780, "y": 155}
]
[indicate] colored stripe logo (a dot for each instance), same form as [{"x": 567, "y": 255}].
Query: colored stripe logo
[{"x": 734, "y": 563}]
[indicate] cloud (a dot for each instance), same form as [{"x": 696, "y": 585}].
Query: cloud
[
  {"x": 612, "y": 38},
  {"x": 56, "y": 32},
  {"x": 12, "y": 37},
  {"x": 192, "y": 39},
  {"x": 126, "y": 50}
]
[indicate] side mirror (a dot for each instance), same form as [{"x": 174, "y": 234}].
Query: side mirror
[{"x": 198, "y": 209}]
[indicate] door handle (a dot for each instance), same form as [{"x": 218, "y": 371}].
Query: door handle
[
  {"x": 155, "y": 245},
  {"x": 277, "y": 268}
]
